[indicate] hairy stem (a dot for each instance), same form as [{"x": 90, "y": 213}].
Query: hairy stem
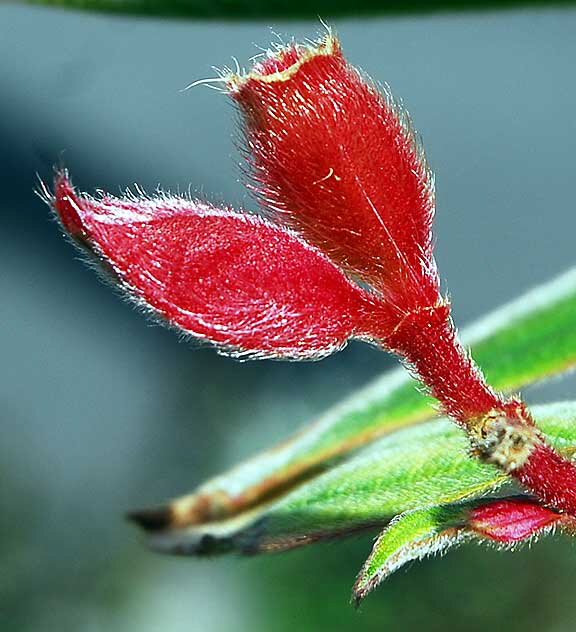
[{"x": 501, "y": 429}]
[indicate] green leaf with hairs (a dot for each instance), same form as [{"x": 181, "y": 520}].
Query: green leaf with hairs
[
  {"x": 414, "y": 468},
  {"x": 411, "y": 536}
]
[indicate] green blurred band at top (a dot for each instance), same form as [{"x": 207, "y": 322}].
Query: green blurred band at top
[{"x": 290, "y": 9}]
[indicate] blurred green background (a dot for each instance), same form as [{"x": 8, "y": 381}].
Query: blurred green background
[{"x": 101, "y": 411}]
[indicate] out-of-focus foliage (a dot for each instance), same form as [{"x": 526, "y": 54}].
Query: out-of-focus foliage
[{"x": 261, "y": 9}]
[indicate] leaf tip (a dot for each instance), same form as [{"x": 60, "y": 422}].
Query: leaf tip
[
  {"x": 361, "y": 589},
  {"x": 153, "y": 519},
  {"x": 65, "y": 202}
]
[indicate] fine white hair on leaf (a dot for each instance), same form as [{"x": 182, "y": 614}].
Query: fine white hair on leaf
[
  {"x": 280, "y": 43},
  {"x": 237, "y": 69},
  {"x": 209, "y": 82}
]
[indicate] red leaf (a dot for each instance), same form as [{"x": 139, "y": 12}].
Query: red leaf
[
  {"x": 233, "y": 279},
  {"x": 512, "y": 520},
  {"x": 338, "y": 160}
]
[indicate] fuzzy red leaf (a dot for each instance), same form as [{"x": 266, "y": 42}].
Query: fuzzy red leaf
[
  {"x": 338, "y": 160},
  {"x": 233, "y": 279},
  {"x": 512, "y": 520}
]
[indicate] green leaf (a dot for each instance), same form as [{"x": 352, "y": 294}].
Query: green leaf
[
  {"x": 411, "y": 536},
  {"x": 505, "y": 521},
  {"x": 529, "y": 339},
  {"x": 420, "y": 467},
  {"x": 259, "y": 9}
]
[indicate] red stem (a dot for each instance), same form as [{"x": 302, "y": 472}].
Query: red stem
[
  {"x": 426, "y": 340},
  {"x": 551, "y": 477},
  {"x": 501, "y": 429}
]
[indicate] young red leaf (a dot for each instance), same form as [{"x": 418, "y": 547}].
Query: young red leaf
[
  {"x": 233, "y": 279},
  {"x": 337, "y": 159},
  {"x": 512, "y": 520}
]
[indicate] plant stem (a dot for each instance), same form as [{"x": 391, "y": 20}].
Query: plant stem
[{"x": 501, "y": 430}]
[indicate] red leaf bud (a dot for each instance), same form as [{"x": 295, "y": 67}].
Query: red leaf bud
[{"x": 337, "y": 159}]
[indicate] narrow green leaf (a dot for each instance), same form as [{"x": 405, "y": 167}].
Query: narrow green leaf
[
  {"x": 505, "y": 521},
  {"x": 259, "y": 9},
  {"x": 415, "y": 468},
  {"x": 529, "y": 339},
  {"x": 423, "y": 466},
  {"x": 411, "y": 536}
]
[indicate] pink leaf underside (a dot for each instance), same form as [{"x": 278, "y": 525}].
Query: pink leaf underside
[
  {"x": 338, "y": 160},
  {"x": 233, "y": 279}
]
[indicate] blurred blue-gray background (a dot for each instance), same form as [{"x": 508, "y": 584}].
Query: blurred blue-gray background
[{"x": 101, "y": 412}]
